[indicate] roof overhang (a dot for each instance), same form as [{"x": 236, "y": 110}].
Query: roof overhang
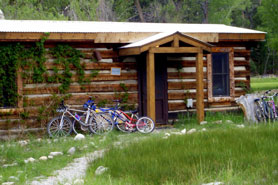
[{"x": 154, "y": 43}]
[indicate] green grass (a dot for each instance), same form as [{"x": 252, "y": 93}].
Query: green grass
[
  {"x": 232, "y": 155},
  {"x": 259, "y": 84},
  {"x": 12, "y": 152}
]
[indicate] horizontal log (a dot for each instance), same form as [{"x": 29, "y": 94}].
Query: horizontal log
[
  {"x": 241, "y": 63},
  {"x": 183, "y": 85},
  {"x": 99, "y": 77},
  {"x": 182, "y": 75},
  {"x": 182, "y": 96},
  {"x": 77, "y": 88},
  {"x": 77, "y": 99},
  {"x": 241, "y": 73},
  {"x": 181, "y": 106},
  {"x": 242, "y": 83},
  {"x": 186, "y": 63},
  {"x": 96, "y": 65},
  {"x": 220, "y": 104}
]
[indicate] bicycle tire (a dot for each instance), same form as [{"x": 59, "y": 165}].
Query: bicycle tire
[
  {"x": 53, "y": 125},
  {"x": 124, "y": 127},
  {"x": 77, "y": 128},
  {"x": 258, "y": 113},
  {"x": 101, "y": 123},
  {"x": 145, "y": 125}
]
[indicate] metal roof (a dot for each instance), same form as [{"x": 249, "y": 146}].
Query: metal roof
[
  {"x": 43, "y": 26},
  {"x": 158, "y": 37}
]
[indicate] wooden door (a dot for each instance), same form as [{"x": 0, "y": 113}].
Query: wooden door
[{"x": 161, "y": 87}]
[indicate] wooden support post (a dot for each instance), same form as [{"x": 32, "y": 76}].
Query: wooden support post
[
  {"x": 19, "y": 83},
  {"x": 200, "y": 86},
  {"x": 150, "y": 86}
]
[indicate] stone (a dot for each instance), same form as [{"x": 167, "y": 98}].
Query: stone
[
  {"x": 203, "y": 123},
  {"x": 39, "y": 140},
  {"x": 167, "y": 134},
  {"x": 55, "y": 153},
  {"x": 240, "y": 126},
  {"x": 9, "y": 165},
  {"x": 23, "y": 142},
  {"x": 100, "y": 170},
  {"x": 78, "y": 182},
  {"x": 8, "y": 183},
  {"x": 183, "y": 131},
  {"x": 71, "y": 151},
  {"x": 43, "y": 158},
  {"x": 217, "y": 122},
  {"x": 30, "y": 160},
  {"x": 204, "y": 129},
  {"x": 229, "y": 121},
  {"x": 50, "y": 157},
  {"x": 214, "y": 183},
  {"x": 13, "y": 178},
  {"x": 55, "y": 140},
  {"x": 191, "y": 131},
  {"x": 79, "y": 137}
]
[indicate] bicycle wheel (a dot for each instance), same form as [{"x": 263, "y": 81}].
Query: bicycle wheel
[
  {"x": 123, "y": 126},
  {"x": 78, "y": 128},
  {"x": 101, "y": 123},
  {"x": 54, "y": 128},
  {"x": 145, "y": 125},
  {"x": 258, "y": 113}
]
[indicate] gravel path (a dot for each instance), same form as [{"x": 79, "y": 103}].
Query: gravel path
[{"x": 72, "y": 172}]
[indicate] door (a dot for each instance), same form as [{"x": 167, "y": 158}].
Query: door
[{"x": 161, "y": 87}]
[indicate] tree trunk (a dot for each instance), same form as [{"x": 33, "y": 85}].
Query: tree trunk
[
  {"x": 139, "y": 9},
  {"x": 266, "y": 62},
  {"x": 204, "y": 5}
]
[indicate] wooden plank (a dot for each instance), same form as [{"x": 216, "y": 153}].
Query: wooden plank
[
  {"x": 184, "y": 63},
  {"x": 241, "y": 73},
  {"x": 220, "y": 104},
  {"x": 231, "y": 73},
  {"x": 200, "y": 87},
  {"x": 150, "y": 86},
  {"x": 129, "y": 51},
  {"x": 77, "y": 88},
  {"x": 241, "y": 37},
  {"x": 157, "y": 43},
  {"x": 205, "y": 37},
  {"x": 194, "y": 42},
  {"x": 174, "y": 50},
  {"x": 175, "y": 41}
]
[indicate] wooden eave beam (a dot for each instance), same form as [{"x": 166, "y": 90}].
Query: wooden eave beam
[
  {"x": 194, "y": 43},
  {"x": 129, "y": 51},
  {"x": 241, "y": 37},
  {"x": 174, "y": 50}
]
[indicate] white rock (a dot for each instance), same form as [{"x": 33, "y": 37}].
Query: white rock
[
  {"x": 214, "y": 183},
  {"x": 229, "y": 121},
  {"x": 39, "y": 140},
  {"x": 13, "y": 178},
  {"x": 240, "y": 126},
  {"x": 191, "y": 131},
  {"x": 55, "y": 140},
  {"x": 183, "y": 131},
  {"x": 78, "y": 182},
  {"x": 8, "y": 183},
  {"x": 71, "y": 151},
  {"x": 9, "y": 165},
  {"x": 43, "y": 158},
  {"x": 165, "y": 137},
  {"x": 203, "y": 122},
  {"x": 55, "y": 153},
  {"x": 100, "y": 170},
  {"x": 50, "y": 157},
  {"x": 217, "y": 122},
  {"x": 79, "y": 137},
  {"x": 23, "y": 142},
  {"x": 30, "y": 160},
  {"x": 204, "y": 129},
  {"x": 167, "y": 134}
]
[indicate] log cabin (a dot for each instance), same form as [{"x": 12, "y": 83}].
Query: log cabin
[{"x": 163, "y": 66}]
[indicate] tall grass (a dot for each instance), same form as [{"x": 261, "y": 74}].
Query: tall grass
[{"x": 232, "y": 156}]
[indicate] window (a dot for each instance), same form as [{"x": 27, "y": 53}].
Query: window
[{"x": 220, "y": 74}]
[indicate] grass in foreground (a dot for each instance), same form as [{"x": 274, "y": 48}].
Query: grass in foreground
[
  {"x": 260, "y": 84},
  {"x": 232, "y": 156}
]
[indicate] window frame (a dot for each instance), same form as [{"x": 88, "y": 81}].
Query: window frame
[{"x": 230, "y": 52}]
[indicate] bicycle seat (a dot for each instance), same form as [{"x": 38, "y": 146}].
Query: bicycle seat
[
  {"x": 257, "y": 99},
  {"x": 134, "y": 111}
]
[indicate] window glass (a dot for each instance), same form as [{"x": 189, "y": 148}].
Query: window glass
[{"x": 220, "y": 74}]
